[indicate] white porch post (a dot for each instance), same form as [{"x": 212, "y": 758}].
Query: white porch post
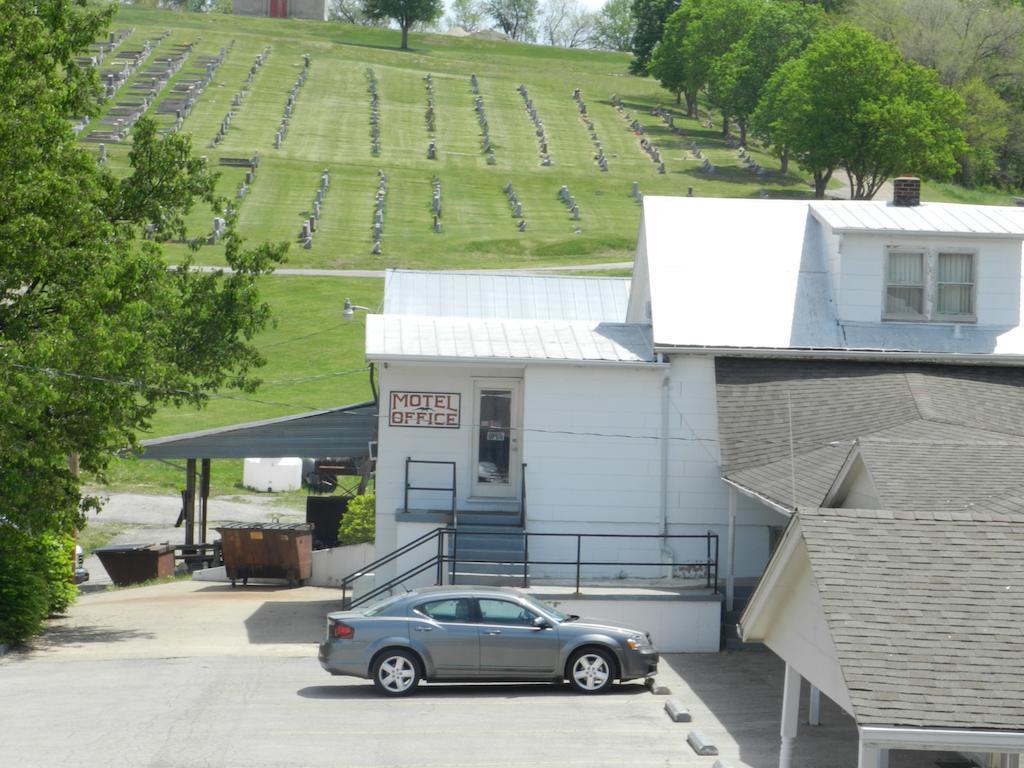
[
  {"x": 814, "y": 707},
  {"x": 1009, "y": 761},
  {"x": 730, "y": 578},
  {"x": 869, "y": 755},
  {"x": 790, "y": 715}
]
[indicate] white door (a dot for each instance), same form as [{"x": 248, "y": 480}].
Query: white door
[{"x": 497, "y": 438}]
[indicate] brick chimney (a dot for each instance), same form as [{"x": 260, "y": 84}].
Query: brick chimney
[{"x": 906, "y": 191}]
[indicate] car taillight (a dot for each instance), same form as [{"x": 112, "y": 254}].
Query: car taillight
[{"x": 342, "y": 631}]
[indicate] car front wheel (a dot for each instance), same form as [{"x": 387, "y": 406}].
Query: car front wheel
[
  {"x": 396, "y": 672},
  {"x": 591, "y": 670}
]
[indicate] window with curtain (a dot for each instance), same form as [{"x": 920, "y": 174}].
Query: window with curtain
[
  {"x": 905, "y": 285},
  {"x": 929, "y": 285},
  {"x": 955, "y": 284}
]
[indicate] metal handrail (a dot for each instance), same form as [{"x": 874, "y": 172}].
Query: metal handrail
[
  {"x": 440, "y": 558},
  {"x": 452, "y": 490}
]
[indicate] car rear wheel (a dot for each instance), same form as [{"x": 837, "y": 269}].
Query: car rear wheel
[
  {"x": 396, "y": 672},
  {"x": 591, "y": 670}
]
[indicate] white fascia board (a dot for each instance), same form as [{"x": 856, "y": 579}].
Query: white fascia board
[
  {"x": 941, "y": 739},
  {"x": 813, "y": 353},
  {"x": 773, "y": 572},
  {"x": 782, "y": 509},
  {"x": 517, "y": 362}
]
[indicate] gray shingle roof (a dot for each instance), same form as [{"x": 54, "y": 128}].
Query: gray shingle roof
[
  {"x": 932, "y": 437},
  {"x": 925, "y": 610}
]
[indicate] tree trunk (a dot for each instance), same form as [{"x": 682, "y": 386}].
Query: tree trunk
[
  {"x": 784, "y": 161},
  {"x": 679, "y": 98},
  {"x": 743, "y": 133},
  {"x": 691, "y": 104},
  {"x": 821, "y": 179},
  {"x": 405, "y": 38}
]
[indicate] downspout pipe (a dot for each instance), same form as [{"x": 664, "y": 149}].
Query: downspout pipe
[{"x": 667, "y": 555}]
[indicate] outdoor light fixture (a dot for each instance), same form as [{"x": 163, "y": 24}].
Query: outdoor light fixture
[{"x": 349, "y": 310}]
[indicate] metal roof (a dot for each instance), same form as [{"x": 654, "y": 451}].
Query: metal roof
[
  {"x": 924, "y": 219},
  {"x": 338, "y": 432},
  {"x": 391, "y": 337},
  {"x": 729, "y": 273},
  {"x": 505, "y": 295}
]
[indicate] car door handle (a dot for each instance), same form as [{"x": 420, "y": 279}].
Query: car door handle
[
  {"x": 492, "y": 632},
  {"x": 423, "y": 629}
]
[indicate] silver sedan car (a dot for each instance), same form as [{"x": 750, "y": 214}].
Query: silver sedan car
[{"x": 477, "y": 633}]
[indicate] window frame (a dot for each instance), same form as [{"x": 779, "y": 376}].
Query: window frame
[{"x": 930, "y": 313}]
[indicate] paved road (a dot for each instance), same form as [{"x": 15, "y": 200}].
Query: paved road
[{"x": 189, "y": 674}]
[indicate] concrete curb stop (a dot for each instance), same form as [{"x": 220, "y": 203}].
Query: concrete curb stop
[
  {"x": 657, "y": 690},
  {"x": 721, "y": 764},
  {"x": 677, "y": 711},
  {"x": 701, "y": 744}
]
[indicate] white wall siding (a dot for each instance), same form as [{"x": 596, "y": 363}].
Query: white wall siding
[{"x": 862, "y": 276}]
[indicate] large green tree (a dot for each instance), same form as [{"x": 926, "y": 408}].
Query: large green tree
[
  {"x": 405, "y": 13},
  {"x": 670, "y": 62},
  {"x": 516, "y": 18},
  {"x": 95, "y": 330},
  {"x": 615, "y": 25},
  {"x": 850, "y": 101},
  {"x": 649, "y": 17},
  {"x": 776, "y": 31}
]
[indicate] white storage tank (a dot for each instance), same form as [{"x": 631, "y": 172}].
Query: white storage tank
[{"x": 273, "y": 475}]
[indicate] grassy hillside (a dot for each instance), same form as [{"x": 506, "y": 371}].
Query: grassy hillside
[
  {"x": 314, "y": 360},
  {"x": 330, "y": 128}
]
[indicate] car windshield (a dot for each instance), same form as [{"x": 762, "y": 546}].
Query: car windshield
[
  {"x": 383, "y": 605},
  {"x": 546, "y": 609}
]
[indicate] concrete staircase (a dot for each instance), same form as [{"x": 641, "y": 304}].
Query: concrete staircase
[{"x": 494, "y": 536}]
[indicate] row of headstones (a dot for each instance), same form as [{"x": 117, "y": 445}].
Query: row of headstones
[
  {"x": 429, "y": 117},
  {"x": 570, "y": 202},
  {"x": 751, "y": 164},
  {"x": 310, "y": 224},
  {"x": 435, "y": 203},
  {"x": 250, "y": 177},
  {"x": 538, "y": 126},
  {"x": 371, "y": 86},
  {"x": 638, "y": 130},
  {"x": 581, "y": 105},
  {"x": 99, "y": 49},
  {"x": 706, "y": 164},
  {"x": 481, "y": 116},
  {"x": 112, "y": 81},
  {"x": 289, "y": 105},
  {"x": 517, "y": 206},
  {"x": 118, "y": 120},
  {"x": 378, "y": 212},
  {"x": 236, "y": 101},
  {"x": 187, "y": 90},
  {"x": 669, "y": 119}
]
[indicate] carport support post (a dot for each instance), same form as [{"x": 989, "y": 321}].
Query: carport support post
[
  {"x": 204, "y": 497},
  {"x": 190, "y": 502},
  {"x": 1009, "y": 761},
  {"x": 730, "y": 578},
  {"x": 790, "y": 715}
]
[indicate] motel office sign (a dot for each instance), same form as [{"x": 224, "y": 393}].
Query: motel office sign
[{"x": 425, "y": 409}]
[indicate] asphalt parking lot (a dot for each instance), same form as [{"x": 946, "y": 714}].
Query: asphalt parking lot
[{"x": 194, "y": 674}]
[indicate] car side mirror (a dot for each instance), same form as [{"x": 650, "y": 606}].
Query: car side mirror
[{"x": 541, "y": 623}]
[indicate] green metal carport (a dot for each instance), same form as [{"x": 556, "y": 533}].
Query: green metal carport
[{"x": 346, "y": 432}]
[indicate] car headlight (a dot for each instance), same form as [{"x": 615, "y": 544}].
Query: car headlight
[{"x": 636, "y": 642}]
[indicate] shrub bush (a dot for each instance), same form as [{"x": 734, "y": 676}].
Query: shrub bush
[
  {"x": 24, "y": 599},
  {"x": 359, "y": 525}
]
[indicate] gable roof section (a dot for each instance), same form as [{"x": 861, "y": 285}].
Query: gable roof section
[
  {"x": 511, "y": 295},
  {"x": 931, "y": 437},
  {"x": 924, "y": 610},
  {"x": 398, "y": 337},
  {"x": 736, "y": 273}
]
